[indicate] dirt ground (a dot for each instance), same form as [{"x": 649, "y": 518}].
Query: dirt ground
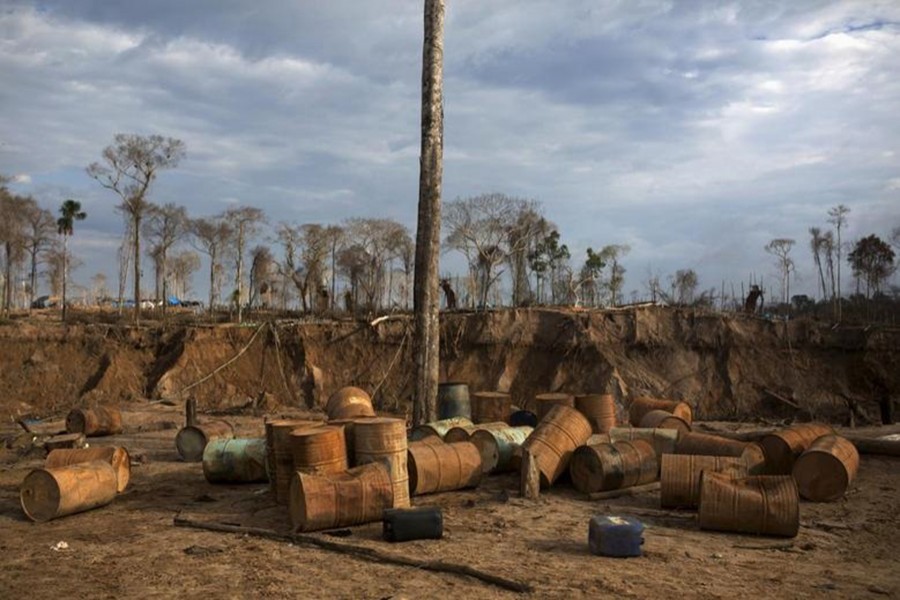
[{"x": 130, "y": 549}]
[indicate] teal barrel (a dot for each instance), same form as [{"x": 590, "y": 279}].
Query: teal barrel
[
  {"x": 235, "y": 461},
  {"x": 438, "y": 428},
  {"x": 498, "y": 447},
  {"x": 453, "y": 400}
]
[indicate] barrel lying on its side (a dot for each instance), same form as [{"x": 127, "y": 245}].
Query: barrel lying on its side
[
  {"x": 680, "y": 476},
  {"x": 117, "y": 457},
  {"x": 56, "y": 492},
  {"x": 826, "y": 469},
  {"x": 607, "y": 467},
  {"x": 235, "y": 461},
  {"x": 359, "y": 495},
  {"x": 761, "y": 504}
]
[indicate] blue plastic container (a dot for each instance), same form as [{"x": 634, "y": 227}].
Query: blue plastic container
[{"x": 610, "y": 535}]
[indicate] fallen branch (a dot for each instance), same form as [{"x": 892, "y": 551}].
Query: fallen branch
[
  {"x": 629, "y": 491},
  {"x": 370, "y": 554},
  {"x": 782, "y": 399},
  {"x": 653, "y": 512},
  {"x": 876, "y": 446},
  {"x": 782, "y": 546}
]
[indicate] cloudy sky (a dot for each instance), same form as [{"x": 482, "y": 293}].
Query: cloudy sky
[{"x": 692, "y": 131}]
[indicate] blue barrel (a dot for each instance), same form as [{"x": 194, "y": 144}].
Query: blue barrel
[
  {"x": 453, "y": 400},
  {"x": 609, "y": 535},
  {"x": 235, "y": 461},
  {"x": 523, "y": 417},
  {"x": 420, "y": 523}
]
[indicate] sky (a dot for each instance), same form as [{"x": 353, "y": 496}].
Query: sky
[{"x": 692, "y": 131}]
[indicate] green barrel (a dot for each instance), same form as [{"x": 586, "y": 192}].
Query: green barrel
[
  {"x": 498, "y": 447},
  {"x": 235, "y": 461},
  {"x": 438, "y": 428}
]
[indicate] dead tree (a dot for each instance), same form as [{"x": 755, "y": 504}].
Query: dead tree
[{"x": 449, "y": 294}]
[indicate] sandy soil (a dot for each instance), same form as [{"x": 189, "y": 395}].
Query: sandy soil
[{"x": 130, "y": 549}]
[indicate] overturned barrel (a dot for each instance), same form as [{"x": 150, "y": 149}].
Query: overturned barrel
[
  {"x": 782, "y": 448},
  {"x": 498, "y": 446},
  {"x": 438, "y": 428},
  {"x": 453, "y": 400},
  {"x": 94, "y": 422},
  {"x": 319, "y": 450},
  {"x": 57, "y": 492},
  {"x": 613, "y": 466},
  {"x": 117, "y": 458},
  {"x": 235, "y": 461},
  {"x": 405, "y": 524},
  {"x": 661, "y": 419},
  {"x": 384, "y": 439},
  {"x": 191, "y": 441},
  {"x": 662, "y": 440},
  {"x": 463, "y": 433},
  {"x": 826, "y": 469},
  {"x": 680, "y": 476},
  {"x": 704, "y": 444},
  {"x": 644, "y": 404},
  {"x": 546, "y": 401},
  {"x": 328, "y": 500},
  {"x": 760, "y": 504},
  {"x": 554, "y": 440},
  {"x": 442, "y": 468},
  {"x": 279, "y": 457},
  {"x": 490, "y": 407},
  {"x": 600, "y": 410},
  {"x": 348, "y": 403}
]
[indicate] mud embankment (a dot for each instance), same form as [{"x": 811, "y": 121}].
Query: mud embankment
[{"x": 726, "y": 367}]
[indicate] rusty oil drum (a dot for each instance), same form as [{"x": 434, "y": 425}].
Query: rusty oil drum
[
  {"x": 782, "y": 448},
  {"x": 555, "y": 439},
  {"x": 94, "y": 422},
  {"x": 191, "y": 441},
  {"x": 545, "y": 402},
  {"x": 498, "y": 447},
  {"x": 759, "y": 504},
  {"x": 464, "y": 432},
  {"x": 704, "y": 444},
  {"x": 600, "y": 410},
  {"x": 279, "y": 458},
  {"x": 442, "y": 468},
  {"x": 613, "y": 466},
  {"x": 644, "y": 404},
  {"x": 235, "y": 461},
  {"x": 661, "y": 419},
  {"x": 349, "y": 403},
  {"x": 117, "y": 458},
  {"x": 349, "y": 426},
  {"x": 384, "y": 439},
  {"x": 662, "y": 440},
  {"x": 491, "y": 407},
  {"x": 438, "y": 428},
  {"x": 680, "y": 476},
  {"x": 51, "y": 493},
  {"x": 826, "y": 469},
  {"x": 328, "y": 500},
  {"x": 319, "y": 450},
  {"x": 453, "y": 400}
]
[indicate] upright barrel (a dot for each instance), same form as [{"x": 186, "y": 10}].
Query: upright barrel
[
  {"x": 235, "y": 461},
  {"x": 349, "y": 402},
  {"x": 93, "y": 422},
  {"x": 600, "y": 410},
  {"x": 490, "y": 407},
  {"x": 280, "y": 458},
  {"x": 760, "y": 504},
  {"x": 349, "y": 426},
  {"x": 613, "y": 466},
  {"x": 662, "y": 440},
  {"x": 782, "y": 448},
  {"x": 438, "y": 428},
  {"x": 117, "y": 458},
  {"x": 661, "y": 419},
  {"x": 443, "y": 468},
  {"x": 384, "y": 439},
  {"x": 545, "y": 402},
  {"x": 644, "y": 404},
  {"x": 680, "y": 476},
  {"x": 56, "y": 492},
  {"x": 453, "y": 400},
  {"x": 191, "y": 441},
  {"x": 497, "y": 447},
  {"x": 704, "y": 444},
  {"x": 826, "y": 469},
  {"x": 554, "y": 440},
  {"x": 325, "y": 501},
  {"x": 319, "y": 450}
]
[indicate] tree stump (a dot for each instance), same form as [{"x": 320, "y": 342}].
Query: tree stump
[{"x": 530, "y": 477}]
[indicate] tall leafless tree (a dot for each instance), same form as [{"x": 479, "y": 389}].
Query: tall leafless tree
[
  {"x": 817, "y": 246},
  {"x": 38, "y": 237},
  {"x": 211, "y": 236},
  {"x": 245, "y": 222},
  {"x": 837, "y": 216},
  {"x": 165, "y": 226},
  {"x": 780, "y": 248}
]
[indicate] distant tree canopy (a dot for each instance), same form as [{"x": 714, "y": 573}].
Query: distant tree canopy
[{"x": 872, "y": 261}]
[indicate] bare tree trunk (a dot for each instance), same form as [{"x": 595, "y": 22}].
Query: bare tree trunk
[
  {"x": 137, "y": 267},
  {"x": 240, "y": 274},
  {"x": 65, "y": 274},
  {"x": 212, "y": 280},
  {"x": 428, "y": 233}
]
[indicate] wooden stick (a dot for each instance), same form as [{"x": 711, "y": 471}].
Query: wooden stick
[
  {"x": 653, "y": 512},
  {"x": 876, "y": 446},
  {"x": 629, "y": 491},
  {"x": 370, "y": 554}
]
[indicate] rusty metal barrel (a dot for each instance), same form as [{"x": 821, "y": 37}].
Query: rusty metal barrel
[
  {"x": 431, "y": 440},
  {"x": 498, "y": 446},
  {"x": 94, "y": 422},
  {"x": 644, "y": 404},
  {"x": 661, "y": 419},
  {"x": 328, "y": 500},
  {"x": 235, "y": 461},
  {"x": 279, "y": 456},
  {"x": 319, "y": 450},
  {"x": 438, "y": 428},
  {"x": 662, "y": 440},
  {"x": 704, "y": 444},
  {"x": 759, "y": 504},
  {"x": 464, "y": 432},
  {"x": 545, "y": 402},
  {"x": 349, "y": 436},
  {"x": 453, "y": 400},
  {"x": 755, "y": 459},
  {"x": 554, "y": 440},
  {"x": 443, "y": 468},
  {"x": 117, "y": 457},
  {"x": 613, "y": 466},
  {"x": 191, "y": 441},
  {"x": 384, "y": 439},
  {"x": 600, "y": 410},
  {"x": 349, "y": 402},
  {"x": 826, "y": 469},
  {"x": 680, "y": 476},
  {"x": 51, "y": 493},
  {"x": 490, "y": 407},
  {"x": 782, "y": 448}
]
